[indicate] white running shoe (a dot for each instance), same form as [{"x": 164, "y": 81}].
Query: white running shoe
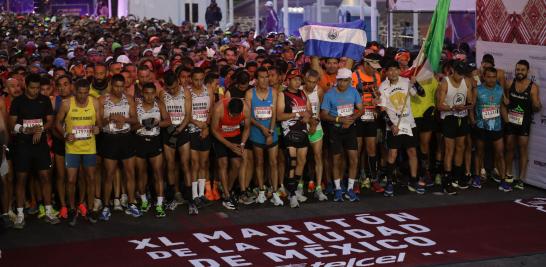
[
  {"x": 320, "y": 195},
  {"x": 19, "y": 221},
  {"x": 276, "y": 200},
  {"x": 300, "y": 196},
  {"x": 294, "y": 202},
  {"x": 261, "y": 197},
  {"x": 124, "y": 201},
  {"x": 117, "y": 205}
]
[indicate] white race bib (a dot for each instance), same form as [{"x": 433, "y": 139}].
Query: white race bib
[
  {"x": 176, "y": 117},
  {"x": 230, "y": 128},
  {"x": 82, "y": 132},
  {"x": 490, "y": 112},
  {"x": 200, "y": 115},
  {"x": 515, "y": 118},
  {"x": 33, "y": 123},
  {"x": 405, "y": 130},
  {"x": 263, "y": 113},
  {"x": 345, "y": 110},
  {"x": 368, "y": 115}
]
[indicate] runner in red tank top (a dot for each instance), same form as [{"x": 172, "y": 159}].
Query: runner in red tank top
[{"x": 227, "y": 118}]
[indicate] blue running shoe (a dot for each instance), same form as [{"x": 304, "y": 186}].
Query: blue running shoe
[
  {"x": 476, "y": 181},
  {"x": 389, "y": 190},
  {"x": 133, "y": 210},
  {"x": 329, "y": 188},
  {"x": 338, "y": 196},
  {"x": 504, "y": 186},
  {"x": 352, "y": 195},
  {"x": 105, "y": 214}
]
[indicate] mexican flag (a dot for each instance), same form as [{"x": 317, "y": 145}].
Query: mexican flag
[{"x": 428, "y": 59}]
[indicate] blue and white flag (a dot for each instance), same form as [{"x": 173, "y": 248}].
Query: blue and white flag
[{"x": 334, "y": 40}]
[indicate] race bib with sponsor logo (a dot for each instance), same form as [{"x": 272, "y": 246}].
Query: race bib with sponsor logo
[
  {"x": 368, "y": 115},
  {"x": 230, "y": 128},
  {"x": 345, "y": 110},
  {"x": 82, "y": 132},
  {"x": 200, "y": 115},
  {"x": 33, "y": 123},
  {"x": 263, "y": 113},
  {"x": 490, "y": 112},
  {"x": 515, "y": 118}
]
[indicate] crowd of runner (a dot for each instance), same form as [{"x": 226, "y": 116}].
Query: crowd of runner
[{"x": 122, "y": 115}]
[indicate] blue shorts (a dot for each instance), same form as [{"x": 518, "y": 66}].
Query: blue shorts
[{"x": 73, "y": 161}]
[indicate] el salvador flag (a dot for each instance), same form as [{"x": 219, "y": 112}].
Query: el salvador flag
[{"x": 334, "y": 40}]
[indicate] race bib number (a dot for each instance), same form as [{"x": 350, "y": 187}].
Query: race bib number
[
  {"x": 82, "y": 132},
  {"x": 368, "y": 115},
  {"x": 298, "y": 109},
  {"x": 263, "y": 113},
  {"x": 176, "y": 117},
  {"x": 200, "y": 115},
  {"x": 490, "y": 113},
  {"x": 314, "y": 108},
  {"x": 405, "y": 130},
  {"x": 345, "y": 110},
  {"x": 33, "y": 123},
  {"x": 230, "y": 128},
  {"x": 515, "y": 118}
]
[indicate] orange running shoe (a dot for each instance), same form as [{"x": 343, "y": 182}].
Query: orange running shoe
[
  {"x": 83, "y": 209},
  {"x": 215, "y": 191},
  {"x": 208, "y": 191},
  {"x": 63, "y": 213},
  {"x": 311, "y": 186}
]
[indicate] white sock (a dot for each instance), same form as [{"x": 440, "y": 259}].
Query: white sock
[
  {"x": 143, "y": 198},
  {"x": 20, "y": 211},
  {"x": 351, "y": 184},
  {"x": 201, "y": 187},
  {"x": 159, "y": 201},
  {"x": 48, "y": 209},
  {"x": 194, "y": 189},
  {"x": 337, "y": 182}
]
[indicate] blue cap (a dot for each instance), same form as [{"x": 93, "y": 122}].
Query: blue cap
[{"x": 59, "y": 63}]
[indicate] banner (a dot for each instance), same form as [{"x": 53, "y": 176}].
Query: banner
[
  {"x": 428, "y": 5},
  {"x": 70, "y": 9}
]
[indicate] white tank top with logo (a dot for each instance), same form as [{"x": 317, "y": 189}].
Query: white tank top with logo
[
  {"x": 199, "y": 108},
  {"x": 455, "y": 96},
  {"x": 142, "y": 114},
  {"x": 175, "y": 106},
  {"x": 120, "y": 108}
]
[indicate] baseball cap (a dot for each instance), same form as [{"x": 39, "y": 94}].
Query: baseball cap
[
  {"x": 293, "y": 73},
  {"x": 269, "y": 4},
  {"x": 373, "y": 60},
  {"x": 123, "y": 59},
  {"x": 344, "y": 73}
]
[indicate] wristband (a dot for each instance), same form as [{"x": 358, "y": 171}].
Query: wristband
[
  {"x": 242, "y": 144},
  {"x": 17, "y": 128}
]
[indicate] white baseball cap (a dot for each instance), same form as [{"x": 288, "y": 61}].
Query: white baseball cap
[
  {"x": 344, "y": 73},
  {"x": 269, "y": 4},
  {"x": 123, "y": 59}
]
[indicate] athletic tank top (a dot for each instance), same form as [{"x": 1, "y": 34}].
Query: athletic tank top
[
  {"x": 488, "y": 108},
  {"x": 520, "y": 107},
  {"x": 315, "y": 105},
  {"x": 230, "y": 126},
  {"x": 455, "y": 96},
  {"x": 146, "y": 114},
  {"x": 175, "y": 106},
  {"x": 294, "y": 103},
  {"x": 262, "y": 112},
  {"x": 120, "y": 108},
  {"x": 199, "y": 108},
  {"x": 80, "y": 122}
]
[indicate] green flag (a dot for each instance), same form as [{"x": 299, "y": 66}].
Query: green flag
[{"x": 434, "y": 43}]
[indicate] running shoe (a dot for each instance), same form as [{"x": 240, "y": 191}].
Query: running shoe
[
  {"x": 178, "y": 198},
  {"x": 72, "y": 217},
  {"x": 159, "y": 211},
  {"x": 366, "y": 183},
  {"x": 245, "y": 199},
  {"x": 464, "y": 181},
  {"x": 389, "y": 190},
  {"x": 63, "y": 213},
  {"x": 356, "y": 187},
  {"x": 19, "y": 221},
  {"x": 320, "y": 195},
  {"x": 124, "y": 201},
  {"x": 197, "y": 202},
  {"x": 518, "y": 184},
  {"x": 504, "y": 186},
  {"x": 329, "y": 188},
  {"x": 208, "y": 191},
  {"x": 93, "y": 217},
  {"x": 105, "y": 214},
  {"x": 41, "y": 211},
  {"x": 438, "y": 179},
  {"x": 352, "y": 195},
  {"x": 6, "y": 221},
  {"x": 133, "y": 211},
  {"x": 192, "y": 208},
  {"x": 311, "y": 186},
  {"x": 228, "y": 204},
  {"x": 282, "y": 191},
  {"x": 428, "y": 180},
  {"x": 476, "y": 181},
  {"x": 51, "y": 218},
  {"x": 417, "y": 187},
  {"x": 261, "y": 197},
  {"x": 144, "y": 206},
  {"x": 376, "y": 187},
  {"x": 172, "y": 205},
  {"x": 82, "y": 209},
  {"x": 338, "y": 195},
  {"x": 450, "y": 189},
  {"x": 276, "y": 200},
  {"x": 117, "y": 205},
  {"x": 299, "y": 194},
  {"x": 294, "y": 201},
  {"x": 33, "y": 209},
  {"x": 455, "y": 183}
]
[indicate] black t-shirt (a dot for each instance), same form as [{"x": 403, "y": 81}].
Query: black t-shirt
[{"x": 30, "y": 112}]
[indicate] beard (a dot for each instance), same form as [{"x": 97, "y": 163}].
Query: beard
[
  {"x": 100, "y": 84},
  {"x": 520, "y": 77}
]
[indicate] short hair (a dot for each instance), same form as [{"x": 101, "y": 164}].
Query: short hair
[
  {"x": 524, "y": 63},
  {"x": 118, "y": 78},
  {"x": 180, "y": 69},
  {"x": 81, "y": 83},
  {"x": 488, "y": 58},
  {"x": 64, "y": 76},
  {"x": 45, "y": 80},
  {"x": 100, "y": 64},
  {"x": 251, "y": 64},
  {"x": 460, "y": 67},
  {"x": 490, "y": 69},
  {"x": 170, "y": 78},
  {"x": 32, "y": 78},
  {"x": 312, "y": 73},
  {"x": 148, "y": 85},
  {"x": 211, "y": 76},
  {"x": 392, "y": 64},
  {"x": 261, "y": 69},
  {"x": 235, "y": 106},
  {"x": 197, "y": 70}
]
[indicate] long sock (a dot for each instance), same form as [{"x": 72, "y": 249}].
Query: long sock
[
  {"x": 292, "y": 185},
  {"x": 159, "y": 201},
  {"x": 201, "y": 183},
  {"x": 337, "y": 183},
  {"x": 350, "y": 184},
  {"x": 372, "y": 161},
  {"x": 194, "y": 186},
  {"x": 20, "y": 211},
  {"x": 143, "y": 198}
]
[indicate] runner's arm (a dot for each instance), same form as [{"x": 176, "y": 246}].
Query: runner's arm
[
  {"x": 273, "y": 123},
  {"x": 246, "y": 131},
  {"x": 442, "y": 92},
  {"x": 217, "y": 115},
  {"x": 281, "y": 115},
  {"x": 315, "y": 65},
  {"x": 535, "y": 98},
  {"x": 472, "y": 112},
  {"x": 133, "y": 118},
  {"x": 187, "y": 111},
  {"x": 59, "y": 120},
  {"x": 165, "y": 118},
  {"x": 98, "y": 121}
]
